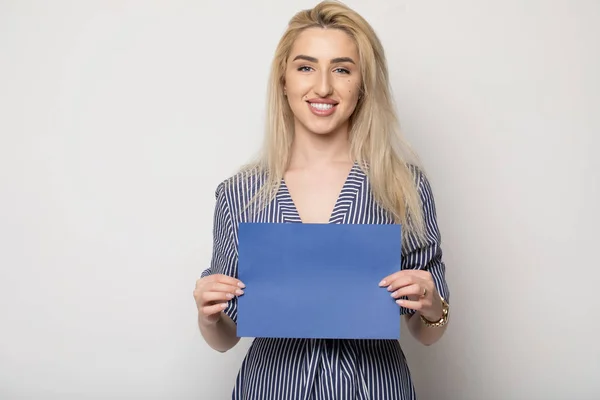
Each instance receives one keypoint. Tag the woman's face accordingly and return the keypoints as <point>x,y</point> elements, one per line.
<point>322,80</point>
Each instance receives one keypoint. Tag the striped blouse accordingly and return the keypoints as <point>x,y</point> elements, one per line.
<point>322,369</point>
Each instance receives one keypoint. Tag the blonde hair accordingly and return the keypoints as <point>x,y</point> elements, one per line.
<point>375,140</point>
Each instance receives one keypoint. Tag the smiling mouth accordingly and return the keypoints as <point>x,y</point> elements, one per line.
<point>322,106</point>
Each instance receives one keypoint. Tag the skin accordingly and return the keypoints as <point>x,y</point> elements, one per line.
<point>212,294</point>
<point>323,64</point>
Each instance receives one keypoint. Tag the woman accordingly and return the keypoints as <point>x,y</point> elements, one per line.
<point>332,155</point>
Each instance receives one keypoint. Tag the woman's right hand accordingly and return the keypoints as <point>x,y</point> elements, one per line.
<point>212,294</point>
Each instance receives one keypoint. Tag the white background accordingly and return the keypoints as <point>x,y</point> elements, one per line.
<point>119,118</point>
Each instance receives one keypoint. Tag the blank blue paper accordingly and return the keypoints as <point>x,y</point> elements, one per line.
<point>317,280</point>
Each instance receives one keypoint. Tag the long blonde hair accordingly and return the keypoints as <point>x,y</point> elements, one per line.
<point>376,143</point>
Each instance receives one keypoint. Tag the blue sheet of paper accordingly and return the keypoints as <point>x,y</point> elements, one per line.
<point>317,280</point>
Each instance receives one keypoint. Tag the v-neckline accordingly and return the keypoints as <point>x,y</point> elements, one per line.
<point>290,212</point>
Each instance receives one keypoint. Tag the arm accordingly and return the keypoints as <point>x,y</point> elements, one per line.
<point>221,334</point>
<point>219,330</point>
<point>424,334</point>
<point>423,271</point>
<point>428,257</point>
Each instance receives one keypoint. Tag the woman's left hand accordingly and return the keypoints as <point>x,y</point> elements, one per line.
<point>419,288</point>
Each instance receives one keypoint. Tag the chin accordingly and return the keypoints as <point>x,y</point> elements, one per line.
<point>323,129</point>
<point>322,132</point>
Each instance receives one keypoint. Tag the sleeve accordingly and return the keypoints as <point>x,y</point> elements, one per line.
<point>224,259</point>
<point>426,254</point>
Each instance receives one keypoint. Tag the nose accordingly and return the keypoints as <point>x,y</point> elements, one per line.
<point>323,87</point>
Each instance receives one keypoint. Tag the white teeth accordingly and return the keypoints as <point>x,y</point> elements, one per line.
<point>321,106</point>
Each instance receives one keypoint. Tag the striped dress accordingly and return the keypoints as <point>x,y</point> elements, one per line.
<point>322,369</point>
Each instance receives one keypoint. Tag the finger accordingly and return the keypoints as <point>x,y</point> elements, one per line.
<point>207,311</point>
<point>411,304</point>
<point>221,287</point>
<point>406,274</point>
<point>390,278</point>
<point>410,290</point>
<point>214,297</point>
<point>229,280</point>
<point>405,281</point>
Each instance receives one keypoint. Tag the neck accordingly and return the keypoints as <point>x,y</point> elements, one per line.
<point>313,150</point>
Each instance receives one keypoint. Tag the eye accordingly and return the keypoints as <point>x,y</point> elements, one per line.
<point>342,70</point>
<point>304,69</point>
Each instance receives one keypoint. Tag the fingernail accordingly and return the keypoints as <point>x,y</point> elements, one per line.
<point>382,283</point>
<point>399,302</point>
<point>229,296</point>
<point>239,292</point>
<point>240,284</point>
<point>393,294</point>
<point>224,305</point>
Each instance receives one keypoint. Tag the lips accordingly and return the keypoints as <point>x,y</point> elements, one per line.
<point>322,101</point>
<point>322,107</point>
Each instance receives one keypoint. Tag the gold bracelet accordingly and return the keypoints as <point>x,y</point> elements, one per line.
<point>442,321</point>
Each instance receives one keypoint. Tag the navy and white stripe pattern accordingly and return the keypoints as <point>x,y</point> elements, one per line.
<point>322,369</point>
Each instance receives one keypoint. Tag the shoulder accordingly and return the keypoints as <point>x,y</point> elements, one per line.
<point>416,172</point>
<point>237,190</point>
<point>421,181</point>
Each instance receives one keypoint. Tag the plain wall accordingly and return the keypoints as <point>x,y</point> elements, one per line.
<point>119,118</point>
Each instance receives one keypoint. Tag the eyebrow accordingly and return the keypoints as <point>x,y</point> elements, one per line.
<point>333,60</point>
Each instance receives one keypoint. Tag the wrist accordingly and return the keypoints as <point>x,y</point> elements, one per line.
<point>436,311</point>
<point>209,322</point>
<point>438,318</point>
<point>432,316</point>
